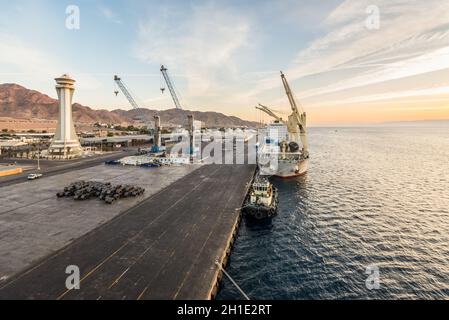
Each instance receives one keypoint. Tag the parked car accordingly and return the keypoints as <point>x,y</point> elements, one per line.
<point>34,176</point>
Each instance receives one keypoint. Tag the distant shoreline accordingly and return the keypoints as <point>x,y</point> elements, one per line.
<point>413,123</point>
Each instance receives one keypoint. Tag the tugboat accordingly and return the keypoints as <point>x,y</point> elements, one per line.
<point>262,200</point>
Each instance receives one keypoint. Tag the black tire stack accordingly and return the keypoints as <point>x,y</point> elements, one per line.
<point>83,190</point>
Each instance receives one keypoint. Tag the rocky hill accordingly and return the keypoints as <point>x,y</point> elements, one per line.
<point>18,102</point>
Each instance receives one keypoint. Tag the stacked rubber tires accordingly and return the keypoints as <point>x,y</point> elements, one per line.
<point>83,190</point>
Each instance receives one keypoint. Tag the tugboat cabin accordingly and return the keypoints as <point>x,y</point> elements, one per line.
<point>262,192</point>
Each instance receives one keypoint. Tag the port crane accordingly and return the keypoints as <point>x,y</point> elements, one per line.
<point>297,120</point>
<point>270,112</point>
<point>128,96</point>
<point>170,87</point>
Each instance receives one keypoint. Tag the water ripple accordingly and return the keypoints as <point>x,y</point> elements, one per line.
<point>372,197</point>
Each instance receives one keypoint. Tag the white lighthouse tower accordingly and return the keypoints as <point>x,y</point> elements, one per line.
<point>65,144</point>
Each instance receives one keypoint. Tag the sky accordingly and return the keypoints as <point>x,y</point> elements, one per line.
<point>348,62</point>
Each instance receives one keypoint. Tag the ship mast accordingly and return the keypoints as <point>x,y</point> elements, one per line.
<point>297,120</point>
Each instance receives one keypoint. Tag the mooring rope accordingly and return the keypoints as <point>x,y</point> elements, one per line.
<point>232,280</point>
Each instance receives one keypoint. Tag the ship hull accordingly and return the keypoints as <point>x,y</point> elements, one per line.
<point>285,168</point>
<point>289,170</point>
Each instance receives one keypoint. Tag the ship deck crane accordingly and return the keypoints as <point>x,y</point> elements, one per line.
<point>270,112</point>
<point>128,96</point>
<point>298,119</point>
<point>170,88</point>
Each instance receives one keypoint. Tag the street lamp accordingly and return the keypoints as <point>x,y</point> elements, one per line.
<point>38,154</point>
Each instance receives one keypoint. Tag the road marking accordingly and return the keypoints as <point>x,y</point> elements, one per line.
<point>118,279</point>
<point>142,293</point>
<point>133,238</point>
<point>93,270</point>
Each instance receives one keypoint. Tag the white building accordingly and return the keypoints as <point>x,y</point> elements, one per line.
<point>65,144</point>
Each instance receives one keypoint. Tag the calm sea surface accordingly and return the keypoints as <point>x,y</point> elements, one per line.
<point>373,197</point>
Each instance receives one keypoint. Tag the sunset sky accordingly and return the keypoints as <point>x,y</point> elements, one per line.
<point>225,56</point>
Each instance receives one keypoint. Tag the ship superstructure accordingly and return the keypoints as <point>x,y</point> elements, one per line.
<point>284,149</point>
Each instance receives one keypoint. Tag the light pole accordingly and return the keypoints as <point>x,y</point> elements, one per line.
<point>38,155</point>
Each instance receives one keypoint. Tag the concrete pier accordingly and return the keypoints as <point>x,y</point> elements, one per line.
<point>163,248</point>
<point>35,223</point>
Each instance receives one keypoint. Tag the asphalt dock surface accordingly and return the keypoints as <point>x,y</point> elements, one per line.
<point>56,167</point>
<point>163,248</point>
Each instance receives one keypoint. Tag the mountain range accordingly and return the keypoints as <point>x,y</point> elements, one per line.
<point>18,102</point>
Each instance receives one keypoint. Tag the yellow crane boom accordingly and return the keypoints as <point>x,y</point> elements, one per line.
<point>270,113</point>
<point>297,120</point>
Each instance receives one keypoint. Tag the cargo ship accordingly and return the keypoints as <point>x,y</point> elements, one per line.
<point>284,149</point>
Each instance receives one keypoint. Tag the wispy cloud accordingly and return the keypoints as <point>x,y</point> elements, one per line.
<point>21,60</point>
<point>199,44</point>
<point>413,39</point>
<point>429,94</point>
<point>110,15</point>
